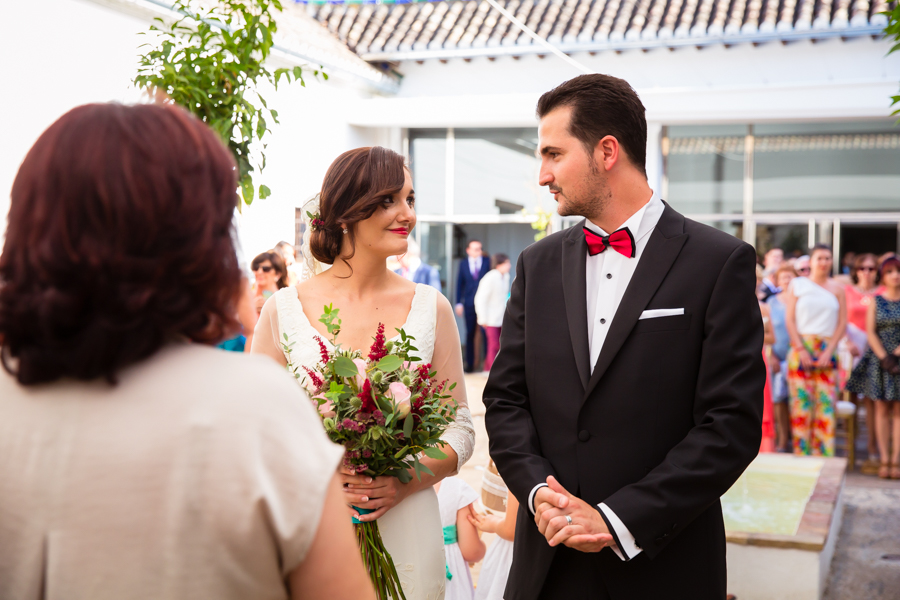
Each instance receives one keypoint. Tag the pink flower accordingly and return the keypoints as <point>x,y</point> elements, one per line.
<point>400,394</point>
<point>361,367</point>
<point>327,408</point>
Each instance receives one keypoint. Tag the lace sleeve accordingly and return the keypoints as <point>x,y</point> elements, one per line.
<point>447,361</point>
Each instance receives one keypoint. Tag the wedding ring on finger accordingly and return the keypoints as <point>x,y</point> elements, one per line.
<point>568,520</point>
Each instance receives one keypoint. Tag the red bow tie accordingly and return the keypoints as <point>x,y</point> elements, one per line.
<point>621,241</point>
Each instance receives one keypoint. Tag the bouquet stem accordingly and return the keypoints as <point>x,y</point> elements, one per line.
<point>378,560</point>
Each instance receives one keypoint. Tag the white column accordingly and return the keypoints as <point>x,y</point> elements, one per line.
<point>449,164</point>
<point>654,157</point>
<point>836,246</point>
<point>749,223</point>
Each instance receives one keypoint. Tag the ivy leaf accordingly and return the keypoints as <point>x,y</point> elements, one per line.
<point>264,192</point>
<point>247,190</point>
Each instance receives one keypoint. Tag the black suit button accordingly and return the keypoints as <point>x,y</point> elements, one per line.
<point>583,435</point>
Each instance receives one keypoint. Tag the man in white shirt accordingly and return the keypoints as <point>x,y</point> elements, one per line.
<point>627,394</point>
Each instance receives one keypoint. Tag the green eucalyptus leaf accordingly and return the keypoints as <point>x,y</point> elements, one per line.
<point>389,363</point>
<point>408,426</point>
<point>435,453</point>
<point>264,192</point>
<point>344,367</point>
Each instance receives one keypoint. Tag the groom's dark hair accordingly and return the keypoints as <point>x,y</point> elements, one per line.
<point>602,105</point>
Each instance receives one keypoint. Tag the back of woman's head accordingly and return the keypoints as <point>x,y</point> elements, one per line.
<point>355,185</point>
<point>118,240</point>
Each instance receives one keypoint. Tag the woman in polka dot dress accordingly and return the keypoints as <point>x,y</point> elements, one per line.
<point>877,375</point>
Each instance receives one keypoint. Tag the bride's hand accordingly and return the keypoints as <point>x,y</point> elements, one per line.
<point>379,494</point>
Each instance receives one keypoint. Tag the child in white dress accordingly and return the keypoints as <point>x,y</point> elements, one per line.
<point>462,544</point>
<point>498,560</point>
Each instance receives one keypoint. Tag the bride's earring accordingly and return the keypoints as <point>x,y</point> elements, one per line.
<point>345,231</point>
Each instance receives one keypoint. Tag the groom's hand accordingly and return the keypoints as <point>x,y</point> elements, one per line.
<point>587,532</point>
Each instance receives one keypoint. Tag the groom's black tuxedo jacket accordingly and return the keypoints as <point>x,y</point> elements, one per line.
<point>667,421</point>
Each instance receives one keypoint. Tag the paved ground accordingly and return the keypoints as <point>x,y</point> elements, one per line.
<point>866,563</point>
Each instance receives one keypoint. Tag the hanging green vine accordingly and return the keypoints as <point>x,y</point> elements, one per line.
<point>210,61</point>
<point>892,31</point>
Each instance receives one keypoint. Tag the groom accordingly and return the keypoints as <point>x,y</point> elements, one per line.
<point>627,394</point>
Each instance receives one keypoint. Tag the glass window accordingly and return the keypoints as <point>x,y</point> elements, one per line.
<point>705,169</point>
<point>496,172</point>
<point>428,161</point>
<point>820,172</point>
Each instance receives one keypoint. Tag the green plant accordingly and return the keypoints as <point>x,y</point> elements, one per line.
<point>892,31</point>
<point>542,224</point>
<point>211,61</point>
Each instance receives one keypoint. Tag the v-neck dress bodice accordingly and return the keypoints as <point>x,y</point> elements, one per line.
<point>294,322</point>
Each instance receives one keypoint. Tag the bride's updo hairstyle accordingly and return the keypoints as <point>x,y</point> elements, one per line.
<point>356,184</point>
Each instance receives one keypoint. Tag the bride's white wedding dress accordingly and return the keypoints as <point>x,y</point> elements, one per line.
<point>412,530</point>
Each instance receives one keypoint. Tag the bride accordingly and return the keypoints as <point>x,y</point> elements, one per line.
<point>366,212</point>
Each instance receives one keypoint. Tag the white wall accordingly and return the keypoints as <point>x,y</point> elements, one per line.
<point>76,51</point>
<point>830,79</point>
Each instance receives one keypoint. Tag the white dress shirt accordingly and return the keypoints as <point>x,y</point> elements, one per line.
<point>475,264</point>
<point>412,265</point>
<point>608,275</point>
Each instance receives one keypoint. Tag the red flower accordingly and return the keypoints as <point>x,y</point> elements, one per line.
<point>377,351</point>
<point>314,377</point>
<point>368,402</point>
<point>323,351</point>
<point>423,371</point>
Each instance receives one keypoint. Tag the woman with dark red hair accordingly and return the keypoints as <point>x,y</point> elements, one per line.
<point>138,461</point>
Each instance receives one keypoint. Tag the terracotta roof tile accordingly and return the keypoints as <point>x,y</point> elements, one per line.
<point>473,27</point>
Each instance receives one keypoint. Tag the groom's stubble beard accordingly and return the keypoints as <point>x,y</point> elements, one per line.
<point>591,201</point>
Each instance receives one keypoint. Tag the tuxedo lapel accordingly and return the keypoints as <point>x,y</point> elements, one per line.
<point>662,249</point>
<point>574,257</point>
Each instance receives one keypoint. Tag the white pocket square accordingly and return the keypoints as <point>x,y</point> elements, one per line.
<point>661,312</point>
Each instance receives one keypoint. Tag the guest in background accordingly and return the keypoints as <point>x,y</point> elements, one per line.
<point>246,316</point>
<point>849,262</point>
<point>860,296</point>
<point>271,275</point>
<point>768,421</point>
<point>816,318</point>
<point>801,265</point>
<point>498,558</point>
<point>140,462</point>
<point>462,544</point>
<point>289,255</point>
<point>412,268</point>
<point>877,375</point>
<point>768,287</point>
<point>778,355</point>
<point>490,304</point>
<point>471,270</point>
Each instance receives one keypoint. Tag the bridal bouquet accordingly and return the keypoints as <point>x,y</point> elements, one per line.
<point>386,411</point>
